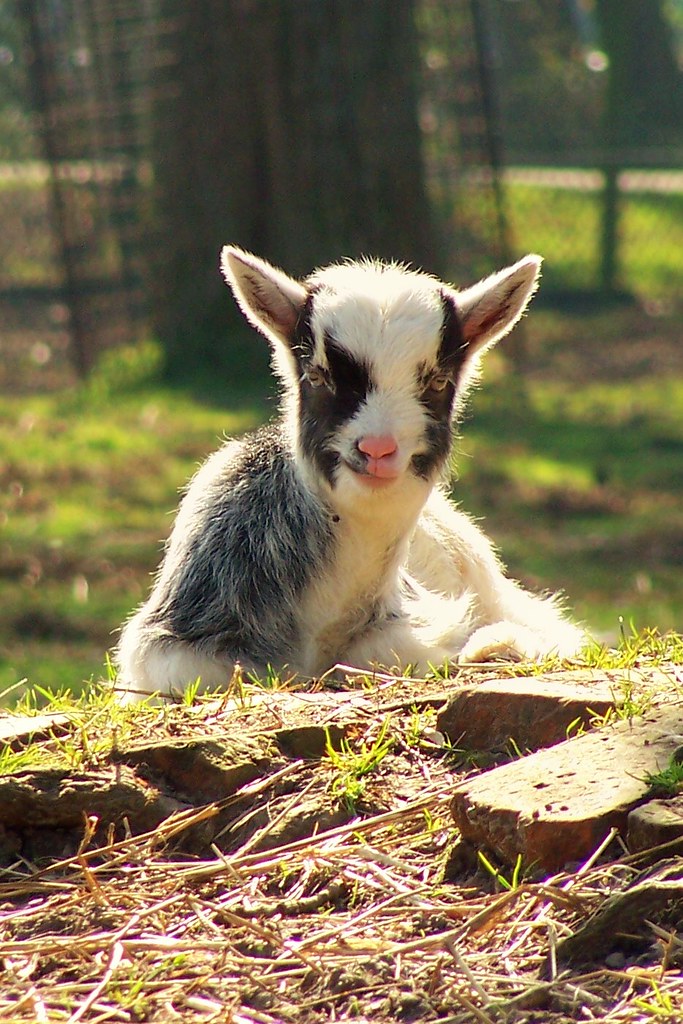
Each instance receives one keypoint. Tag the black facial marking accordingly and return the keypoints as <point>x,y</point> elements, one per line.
<point>303,343</point>
<point>350,378</point>
<point>438,401</point>
<point>438,437</point>
<point>450,357</point>
<point>453,347</point>
<point>325,409</point>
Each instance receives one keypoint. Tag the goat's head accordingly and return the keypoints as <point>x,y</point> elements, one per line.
<point>376,359</point>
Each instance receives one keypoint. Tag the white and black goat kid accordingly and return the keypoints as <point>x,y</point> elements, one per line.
<point>326,537</point>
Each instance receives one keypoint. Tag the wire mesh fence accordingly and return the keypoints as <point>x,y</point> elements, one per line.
<point>512,117</point>
<point>78,78</point>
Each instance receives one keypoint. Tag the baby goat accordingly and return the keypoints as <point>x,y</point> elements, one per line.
<point>326,537</point>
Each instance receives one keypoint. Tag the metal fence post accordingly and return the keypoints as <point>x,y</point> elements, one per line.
<point>82,354</point>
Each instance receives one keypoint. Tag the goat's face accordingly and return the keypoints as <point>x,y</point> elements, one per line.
<point>375,359</point>
<point>378,351</point>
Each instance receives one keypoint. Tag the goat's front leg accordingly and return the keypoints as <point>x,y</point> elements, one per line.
<point>429,630</point>
<point>449,554</point>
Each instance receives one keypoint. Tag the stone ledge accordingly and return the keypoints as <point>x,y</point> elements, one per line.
<point>556,806</point>
<point>533,712</point>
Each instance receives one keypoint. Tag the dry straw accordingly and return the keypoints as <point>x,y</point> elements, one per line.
<point>354,923</point>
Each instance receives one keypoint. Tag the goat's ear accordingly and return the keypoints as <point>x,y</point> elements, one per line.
<point>490,309</point>
<point>269,299</point>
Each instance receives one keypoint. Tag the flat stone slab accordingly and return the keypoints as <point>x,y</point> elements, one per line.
<point>556,806</point>
<point>533,712</point>
<point>22,727</point>
<point>60,797</point>
<point>204,770</point>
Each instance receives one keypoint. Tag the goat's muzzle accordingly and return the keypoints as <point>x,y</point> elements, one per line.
<point>381,464</point>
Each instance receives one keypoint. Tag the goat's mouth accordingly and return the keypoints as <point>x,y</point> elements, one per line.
<point>374,472</point>
<point>376,482</point>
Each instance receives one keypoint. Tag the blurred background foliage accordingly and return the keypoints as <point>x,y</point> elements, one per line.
<point>138,136</point>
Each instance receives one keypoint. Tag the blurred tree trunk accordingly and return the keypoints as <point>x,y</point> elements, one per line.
<point>291,128</point>
<point>644,105</point>
<point>645,84</point>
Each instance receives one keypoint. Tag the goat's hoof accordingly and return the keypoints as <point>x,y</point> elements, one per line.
<point>502,641</point>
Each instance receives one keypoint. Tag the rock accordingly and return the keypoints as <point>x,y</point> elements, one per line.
<point>309,816</point>
<point>308,741</point>
<point>654,823</point>
<point>202,770</point>
<point>534,712</point>
<point>58,798</point>
<point>557,805</point>
<point>24,727</point>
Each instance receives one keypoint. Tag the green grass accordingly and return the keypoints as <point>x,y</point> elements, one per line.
<point>669,781</point>
<point>581,484</point>
<point>88,483</point>
<point>565,226</point>
<point>499,878</point>
<point>560,224</point>
<point>351,765</point>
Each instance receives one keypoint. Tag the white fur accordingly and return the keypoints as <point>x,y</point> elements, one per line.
<point>411,580</point>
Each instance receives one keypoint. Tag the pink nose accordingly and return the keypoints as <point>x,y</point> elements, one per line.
<point>378,447</point>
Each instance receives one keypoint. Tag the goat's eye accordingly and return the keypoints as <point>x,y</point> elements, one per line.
<point>316,377</point>
<point>439,382</point>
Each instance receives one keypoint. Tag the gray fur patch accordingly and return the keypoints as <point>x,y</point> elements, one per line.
<point>232,578</point>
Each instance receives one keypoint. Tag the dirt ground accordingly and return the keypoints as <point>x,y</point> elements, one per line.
<point>277,856</point>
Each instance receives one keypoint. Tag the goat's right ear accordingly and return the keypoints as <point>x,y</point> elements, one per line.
<point>269,298</point>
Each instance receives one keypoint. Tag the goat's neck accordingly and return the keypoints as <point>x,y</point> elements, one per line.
<point>371,528</point>
<point>360,582</point>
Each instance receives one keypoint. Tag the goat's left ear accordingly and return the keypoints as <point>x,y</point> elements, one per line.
<point>490,309</point>
<point>269,298</point>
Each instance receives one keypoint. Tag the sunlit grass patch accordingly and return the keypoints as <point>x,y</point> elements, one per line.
<point>565,226</point>
<point>561,224</point>
<point>581,484</point>
<point>86,494</point>
<point>97,723</point>
<point>669,781</point>
<point>352,763</point>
